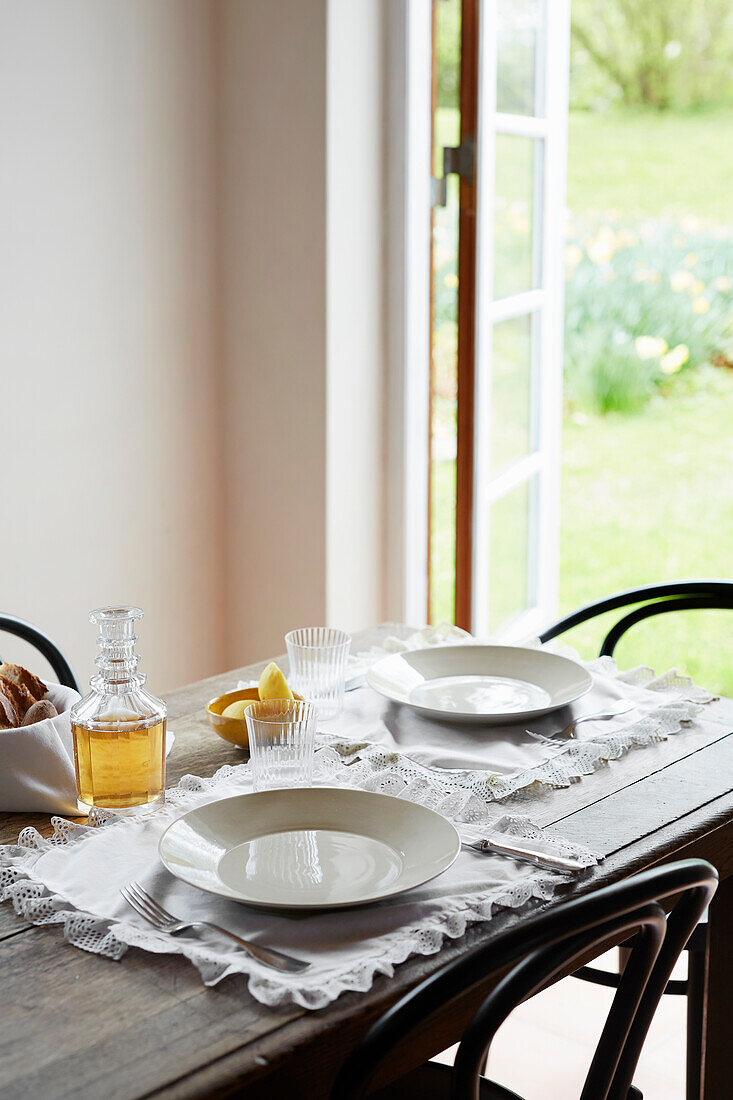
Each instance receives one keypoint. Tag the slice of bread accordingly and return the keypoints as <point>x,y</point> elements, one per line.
<point>18,696</point>
<point>35,688</point>
<point>8,715</point>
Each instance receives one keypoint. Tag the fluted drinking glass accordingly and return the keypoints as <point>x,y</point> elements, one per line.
<point>281,743</point>
<point>317,656</point>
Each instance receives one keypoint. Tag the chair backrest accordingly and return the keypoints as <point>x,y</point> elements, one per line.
<point>47,648</point>
<point>655,599</point>
<point>544,947</point>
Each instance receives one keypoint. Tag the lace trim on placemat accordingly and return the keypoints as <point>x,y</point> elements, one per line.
<point>571,761</point>
<point>467,798</point>
<point>423,936</point>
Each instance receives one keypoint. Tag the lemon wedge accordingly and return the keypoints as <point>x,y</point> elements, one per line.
<point>237,709</point>
<point>273,684</point>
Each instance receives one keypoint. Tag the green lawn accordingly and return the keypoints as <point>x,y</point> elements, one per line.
<point>641,164</point>
<point>648,164</point>
<point>648,498</point>
<point>645,497</point>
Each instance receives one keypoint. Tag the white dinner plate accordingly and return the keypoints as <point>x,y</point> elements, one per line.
<point>309,847</point>
<point>483,684</point>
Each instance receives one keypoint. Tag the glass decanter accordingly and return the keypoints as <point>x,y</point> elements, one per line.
<point>119,728</point>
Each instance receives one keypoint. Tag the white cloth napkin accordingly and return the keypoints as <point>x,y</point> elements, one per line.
<point>37,762</point>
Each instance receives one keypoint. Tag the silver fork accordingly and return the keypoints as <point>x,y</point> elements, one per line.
<point>621,707</point>
<point>148,908</point>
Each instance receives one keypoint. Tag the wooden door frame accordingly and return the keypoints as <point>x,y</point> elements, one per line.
<point>466,320</point>
<point>468,102</point>
<point>431,322</point>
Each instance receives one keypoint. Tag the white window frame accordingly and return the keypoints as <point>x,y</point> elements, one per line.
<point>408,135</point>
<point>544,305</point>
<point>407,277</point>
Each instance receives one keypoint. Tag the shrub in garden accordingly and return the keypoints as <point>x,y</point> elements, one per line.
<point>643,303</point>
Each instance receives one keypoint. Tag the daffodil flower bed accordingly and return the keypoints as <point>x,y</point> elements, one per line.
<point>642,303</point>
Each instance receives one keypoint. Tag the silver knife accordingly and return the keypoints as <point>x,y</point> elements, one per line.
<point>519,851</point>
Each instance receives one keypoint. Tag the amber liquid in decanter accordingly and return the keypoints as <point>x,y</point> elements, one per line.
<point>119,728</point>
<point>120,763</point>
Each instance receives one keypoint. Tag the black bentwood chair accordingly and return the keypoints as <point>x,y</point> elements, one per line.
<point>48,649</point>
<point>539,950</point>
<point>659,599</point>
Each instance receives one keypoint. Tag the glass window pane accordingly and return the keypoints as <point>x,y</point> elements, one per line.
<point>520,48</point>
<point>510,537</point>
<point>512,427</point>
<point>517,232</point>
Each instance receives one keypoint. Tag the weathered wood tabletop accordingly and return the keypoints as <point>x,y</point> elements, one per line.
<point>77,1024</point>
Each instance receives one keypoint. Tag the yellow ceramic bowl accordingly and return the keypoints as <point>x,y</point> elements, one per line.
<point>233,730</point>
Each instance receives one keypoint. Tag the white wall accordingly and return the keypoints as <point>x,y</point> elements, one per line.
<point>355,336</point>
<point>190,321</point>
<point>273,241</point>
<point>110,437</point>
<point>301,234</point>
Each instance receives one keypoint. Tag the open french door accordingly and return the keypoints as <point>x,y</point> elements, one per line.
<point>509,278</point>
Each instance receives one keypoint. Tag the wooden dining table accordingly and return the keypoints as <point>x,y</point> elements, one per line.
<point>73,1023</point>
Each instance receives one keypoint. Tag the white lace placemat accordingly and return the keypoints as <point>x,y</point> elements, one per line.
<point>74,879</point>
<point>497,761</point>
